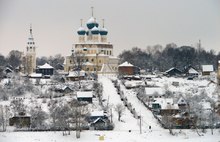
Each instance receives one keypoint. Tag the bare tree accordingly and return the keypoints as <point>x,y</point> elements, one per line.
<point>38,117</point>
<point>120,109</point>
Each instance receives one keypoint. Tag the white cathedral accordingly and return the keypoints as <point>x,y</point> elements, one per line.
<point>96,53</point>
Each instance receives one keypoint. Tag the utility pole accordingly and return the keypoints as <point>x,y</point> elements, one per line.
<point>111,115</point>
<point>140,125</point>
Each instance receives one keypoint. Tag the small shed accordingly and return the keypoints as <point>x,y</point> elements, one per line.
<point>173,72</point>
<point>20,121</point>
<point>85,96</point>
<point>99,124</point>
<point>207,69</point>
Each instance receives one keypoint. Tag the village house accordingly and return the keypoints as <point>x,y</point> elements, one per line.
<point>86,96</point>
<point>192,72</point>
<point>63,89</point>
<point>45,70</point>
<point>173,72</point>
<point>164,106</point>
<point>76,75</point>
<point>98,120</point>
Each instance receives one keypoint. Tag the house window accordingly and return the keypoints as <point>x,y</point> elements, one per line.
<point>92,60</point>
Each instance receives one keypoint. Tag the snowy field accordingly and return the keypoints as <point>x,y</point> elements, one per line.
<point>109,136</point>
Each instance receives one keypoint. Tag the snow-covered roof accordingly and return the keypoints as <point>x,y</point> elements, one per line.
<point>207,68</point>
<point>163,100</point>
<point>97,113</point>
<point>126,64</point>
<point>152,90</point>
<point>76,73</point>
<point>7,68</point>
<point>169,106</point>
<point>181,101</point>
<point>45,66</point>
<point>36,75</point>
<point>172,69</point>
<point>65,87</point>
<point>193,71</point>
<point>87,94</point>
<point>97,119</point>
<point>165,103</point>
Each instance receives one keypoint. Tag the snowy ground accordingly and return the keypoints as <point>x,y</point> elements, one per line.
<point>109,136</point>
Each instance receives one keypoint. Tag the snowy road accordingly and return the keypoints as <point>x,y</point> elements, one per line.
<point>110,94</point>
<point>147,116</point>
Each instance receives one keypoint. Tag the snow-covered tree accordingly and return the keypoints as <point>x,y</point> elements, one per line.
<point>38,117</point>
<point>120,109</point>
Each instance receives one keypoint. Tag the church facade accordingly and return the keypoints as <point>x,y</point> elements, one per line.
<point>92,53</point>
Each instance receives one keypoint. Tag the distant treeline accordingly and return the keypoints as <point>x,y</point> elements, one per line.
<point>158,58</point>
<point>15,59</point>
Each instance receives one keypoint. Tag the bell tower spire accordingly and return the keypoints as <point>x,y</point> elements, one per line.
<point>30,54</point>
<point>92,8</point>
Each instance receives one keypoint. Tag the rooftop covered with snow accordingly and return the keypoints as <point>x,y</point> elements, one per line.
<point>85,94</point>
<point>126,64</point>
<point>45,66</point>
<point>207,68</point>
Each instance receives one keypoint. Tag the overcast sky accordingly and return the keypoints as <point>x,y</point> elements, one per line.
<point>129,22</point>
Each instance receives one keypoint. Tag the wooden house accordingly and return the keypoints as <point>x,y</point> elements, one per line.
<point>76,75</point>
<point>207,69</point>
<point>173,72</point>
<point>85,96</point>
<point>164,106</point>
<point>99,124</point>
<point>45,70</point>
